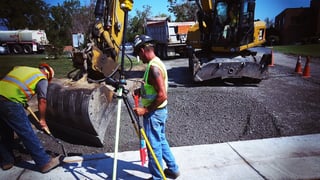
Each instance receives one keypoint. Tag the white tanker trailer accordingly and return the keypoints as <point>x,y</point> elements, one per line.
<point>24,41</point>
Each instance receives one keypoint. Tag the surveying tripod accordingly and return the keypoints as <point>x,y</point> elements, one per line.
<point>122,95</point>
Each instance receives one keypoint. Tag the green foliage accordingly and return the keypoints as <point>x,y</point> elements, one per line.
<point>21,14</point>
<point>183,10</point>
<point>136,24</point>
<point>59,31</point>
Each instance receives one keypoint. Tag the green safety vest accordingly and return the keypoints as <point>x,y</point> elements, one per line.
<point>148,93</point>
<point>19,84</point>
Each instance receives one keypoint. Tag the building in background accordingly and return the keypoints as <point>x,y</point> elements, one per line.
<point>299,24</point>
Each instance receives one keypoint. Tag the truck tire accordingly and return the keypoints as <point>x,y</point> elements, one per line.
<point>190,59</point>
<point>158,51</point>
<point>164,52</point>
<point>16,49</point>
<point>27,49</point>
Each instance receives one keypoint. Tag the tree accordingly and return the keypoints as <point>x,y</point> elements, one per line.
<point>66,19</point>
<point>269,22</point>
<point>21,14</point>
<point>82,19</point>
<point>183,10</point>
<point>137,23</point>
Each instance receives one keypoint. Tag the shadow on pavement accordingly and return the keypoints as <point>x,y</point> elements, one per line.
<point>103,168</point>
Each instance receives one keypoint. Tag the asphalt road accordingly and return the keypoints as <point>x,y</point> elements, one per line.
<point>284,104</point>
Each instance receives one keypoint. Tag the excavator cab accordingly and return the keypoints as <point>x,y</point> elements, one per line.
<point>233,23</point>
<point>227,25</point>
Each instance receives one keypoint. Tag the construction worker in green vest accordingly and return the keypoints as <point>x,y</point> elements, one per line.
<point>16,89</point>
<point>153,95</point>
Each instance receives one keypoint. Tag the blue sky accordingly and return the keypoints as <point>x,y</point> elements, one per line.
<point>264,8</point>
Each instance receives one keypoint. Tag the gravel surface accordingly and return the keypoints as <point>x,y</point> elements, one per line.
<point>285,104</point>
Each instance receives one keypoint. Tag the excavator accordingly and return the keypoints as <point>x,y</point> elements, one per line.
<point>220,45</point>
<point>82,106</point>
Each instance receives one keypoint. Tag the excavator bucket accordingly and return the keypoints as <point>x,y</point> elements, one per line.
<point>238,67</point>
<point>79,112</point>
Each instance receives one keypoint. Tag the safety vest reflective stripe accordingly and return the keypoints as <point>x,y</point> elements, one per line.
<point>149,96</point>
<point>19,84</point>
<point>33,78</point>
<point>23,87</point>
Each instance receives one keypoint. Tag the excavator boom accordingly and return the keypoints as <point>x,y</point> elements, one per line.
<point>81,108</point>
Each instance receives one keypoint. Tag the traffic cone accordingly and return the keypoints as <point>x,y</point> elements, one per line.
<point>306,70</point>
<point>298,66</point>
<point>272,59</point>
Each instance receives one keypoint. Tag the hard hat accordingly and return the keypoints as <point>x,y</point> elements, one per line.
<point>141,40</point>
<point>48,70</point>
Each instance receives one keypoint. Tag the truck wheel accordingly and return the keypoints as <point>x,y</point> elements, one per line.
<point>158,51</point>
<point>164,52</point>
<point>17,49</point>
<point>191,66</point>
<point>190,59</point>
<point>27,49</point>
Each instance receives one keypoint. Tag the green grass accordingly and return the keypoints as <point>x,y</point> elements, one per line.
<point>61,66</point>
<point>312,50</point>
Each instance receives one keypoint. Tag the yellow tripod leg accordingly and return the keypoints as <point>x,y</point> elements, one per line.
<point>152,153</point>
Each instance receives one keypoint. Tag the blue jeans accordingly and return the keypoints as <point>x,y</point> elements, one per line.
<point>14,119</point>
<point>154,125</point>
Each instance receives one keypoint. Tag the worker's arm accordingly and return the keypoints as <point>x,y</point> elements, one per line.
<point>155,79</point>
<point>42,106</point>
<point>41,90</point>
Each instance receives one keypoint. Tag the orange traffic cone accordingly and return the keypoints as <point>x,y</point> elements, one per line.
<point>272,59</point>
<point>298,66</point>
<point>306,70</point>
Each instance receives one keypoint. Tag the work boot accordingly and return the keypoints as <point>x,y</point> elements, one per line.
<point>6,166</point>
<point>171,174</point>
<point>54,162</point>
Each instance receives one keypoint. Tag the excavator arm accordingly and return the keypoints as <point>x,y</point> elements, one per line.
<point>79,111</point>
<point>100,58</point>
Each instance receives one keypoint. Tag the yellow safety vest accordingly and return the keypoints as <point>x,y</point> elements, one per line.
<point>20,83</point>
<point>148,93</point>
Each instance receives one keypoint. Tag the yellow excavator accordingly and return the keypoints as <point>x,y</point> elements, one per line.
<point>218,47</point>
<point>220,44</point>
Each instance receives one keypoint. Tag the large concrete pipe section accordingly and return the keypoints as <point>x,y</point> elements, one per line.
<point>78,112</point>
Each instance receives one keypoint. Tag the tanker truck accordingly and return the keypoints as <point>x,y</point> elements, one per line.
<point>24,41</point>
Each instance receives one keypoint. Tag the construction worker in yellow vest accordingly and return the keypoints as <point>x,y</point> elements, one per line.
<point>16,89</point>
<point>153,95</point>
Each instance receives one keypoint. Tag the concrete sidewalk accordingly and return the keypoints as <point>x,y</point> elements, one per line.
<point>296,157</point>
